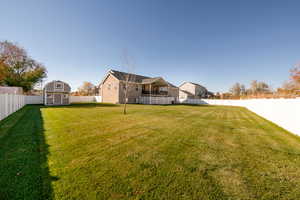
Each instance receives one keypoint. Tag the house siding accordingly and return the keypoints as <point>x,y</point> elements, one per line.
<point>134,92</point>
<point>188,87</point>
<point>173,92</point>
<point>110,90</point>
<point>196,90</point>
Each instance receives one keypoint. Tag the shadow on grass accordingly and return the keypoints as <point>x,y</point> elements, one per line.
<point>24,172</point>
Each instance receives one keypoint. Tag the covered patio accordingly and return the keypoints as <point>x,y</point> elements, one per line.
<point>155,87</point>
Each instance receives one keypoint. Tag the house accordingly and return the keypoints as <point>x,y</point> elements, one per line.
<point>141,89</point>
<point>189,90</point>
<point>10,90</point>
<point>57,93</point>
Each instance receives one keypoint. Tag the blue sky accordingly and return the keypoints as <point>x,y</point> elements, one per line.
<point>214,43</point>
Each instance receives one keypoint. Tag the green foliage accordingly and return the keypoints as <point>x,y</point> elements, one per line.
<point>154,152</point>
<point>17,69</point>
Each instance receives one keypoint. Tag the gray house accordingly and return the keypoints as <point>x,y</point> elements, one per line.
<point>57,93</point>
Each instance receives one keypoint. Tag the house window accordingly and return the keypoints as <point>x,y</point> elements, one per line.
<point>58,85</point>
<point>163,89</point>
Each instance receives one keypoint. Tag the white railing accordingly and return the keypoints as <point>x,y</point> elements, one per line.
<point>10,103</point>
<point>157,100</point>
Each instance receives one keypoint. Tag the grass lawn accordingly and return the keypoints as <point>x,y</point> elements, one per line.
<point>93,151</point>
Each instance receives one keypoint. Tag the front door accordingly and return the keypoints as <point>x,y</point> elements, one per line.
<point>57,99</point>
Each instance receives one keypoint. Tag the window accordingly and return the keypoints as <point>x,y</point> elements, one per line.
<point>58,85</point>
<point>163,89</point>
<point>66,96</point>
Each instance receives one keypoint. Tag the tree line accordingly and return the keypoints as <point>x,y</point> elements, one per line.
<point>260,89</point>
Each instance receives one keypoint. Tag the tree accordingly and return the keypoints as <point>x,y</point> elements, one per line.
<point>87,89</point>
<point>235,90</point>
<point>253,87</point>
<point>295,75</point>
<point>17,68</point>
<point>243,90</point>
<point>259,87</point>
<point>129,77</point>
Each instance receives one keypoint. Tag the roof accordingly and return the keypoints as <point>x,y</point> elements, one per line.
<point>151,80</point>
<point>192,83</point>
<point>188,93</point>
<point>132,77</point>
<point>49,87</point>
<point>136,78</point>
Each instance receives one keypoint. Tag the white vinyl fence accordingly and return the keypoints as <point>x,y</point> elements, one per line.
<point>73,99</point>
<point>82,99</point>
<point>156,100</point>
<point>34,100</point>
<point>283,112</point>
<point>10,103</point>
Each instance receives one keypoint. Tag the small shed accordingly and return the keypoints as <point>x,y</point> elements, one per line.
<point>57,93</point>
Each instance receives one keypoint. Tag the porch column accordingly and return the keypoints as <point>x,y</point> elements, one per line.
<point>150,93</point>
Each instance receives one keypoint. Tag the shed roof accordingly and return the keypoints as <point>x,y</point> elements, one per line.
<point>49,87</point>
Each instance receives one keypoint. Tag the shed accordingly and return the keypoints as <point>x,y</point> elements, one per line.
<point>57,93</point>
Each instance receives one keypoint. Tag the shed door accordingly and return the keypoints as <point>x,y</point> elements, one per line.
<point>57,99</point>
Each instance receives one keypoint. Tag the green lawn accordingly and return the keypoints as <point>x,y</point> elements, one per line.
<point>93,151</point>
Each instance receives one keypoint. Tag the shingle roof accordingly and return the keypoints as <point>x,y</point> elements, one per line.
<point>136,78</point>
<point>132,77</point>
<point>150,80</point>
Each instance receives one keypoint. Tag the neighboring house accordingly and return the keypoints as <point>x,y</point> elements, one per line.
<point>189,90</point>
<point>10,90</point>
<point>112,88</point>
<point>57,93</point>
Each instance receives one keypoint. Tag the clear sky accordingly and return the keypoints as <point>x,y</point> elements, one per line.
<point>214,43</point>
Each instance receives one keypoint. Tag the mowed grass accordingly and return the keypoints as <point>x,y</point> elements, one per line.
<point>93,151</point>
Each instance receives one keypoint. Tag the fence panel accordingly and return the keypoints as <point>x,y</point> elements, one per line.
<point>98,98</point>
<point>10,103</point>
<point>82,99</point>
<point>34,100</point>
